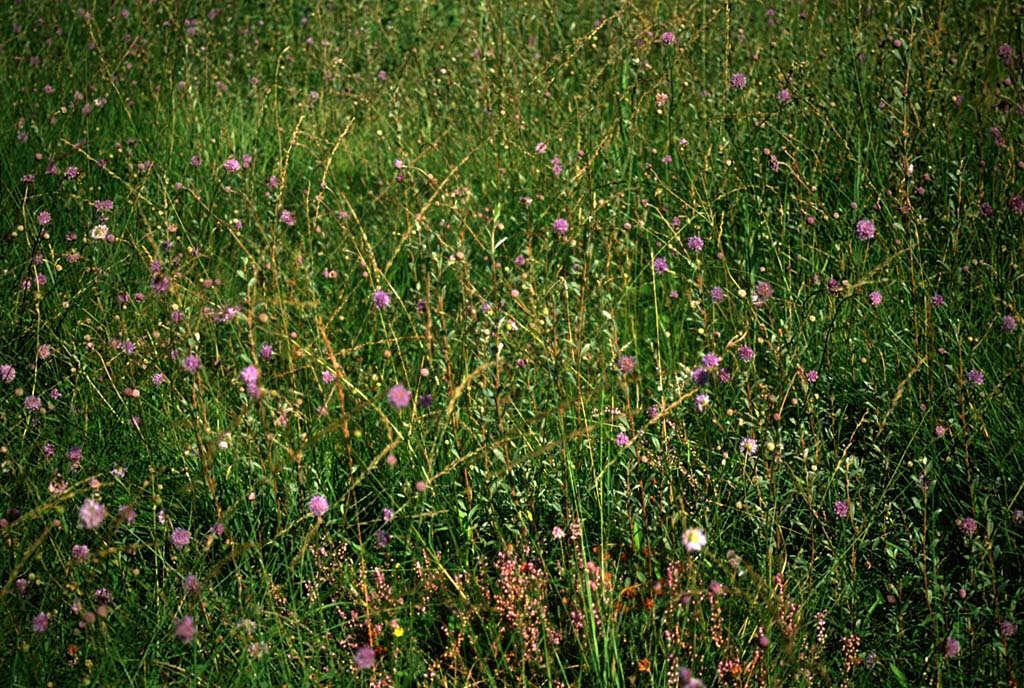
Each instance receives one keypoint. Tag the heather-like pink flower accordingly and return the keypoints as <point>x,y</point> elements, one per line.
<point>622,439</point>
<point>875,298</point>
<point>865,230</point>
<point>91,514</point>
<point>399,396</point>
<point>180,538</point>
<point>561,226</point>
<point>40,622</point>
<point>185,629</point>
<point>318,505</point>
<point>232,165</point>
<point>381,299</point>
<point>738,80</point>
<point>365,658</point>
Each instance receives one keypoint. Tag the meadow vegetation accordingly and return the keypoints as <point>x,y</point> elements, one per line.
<point>543,343</point>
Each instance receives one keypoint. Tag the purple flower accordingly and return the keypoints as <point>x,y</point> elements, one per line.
<point>561,226</point>
<point>191,363</point>
<point>556,166</point>
<point>660,265</point>
<point>1009,325</point>
<point>399,396</point>
<point>622,439</point>
<point>938,299</point>
<point>185,629</point>
<point>180,538</point>
<point>745,353</point>
<point>763,290</point>
<point>250,376</point>
<point>717,294</point>
<point>701,402</point>
<point>841,508</point>
<point>33,403</point>
<point>865,230</point>
<point>711,360</point>
<point>266,352</point>
<point>79,553</point>
<point>7,373</point>
<point>875,298</point>
<point>626,364</point>
<point>328,377</point>
<point>190,584</point>
<point>748,445</point>
<point>91,514</point>
<point>381,299</point>
<point>976,377</point>
<point>952,647</point>
<point>43,218</point>
<point>668,38</point>
<point>784,95</point>
<point>40,622</point>
<point>287,217</point>
<point>695,243</point>
<point>232,165</point>
<point>317,506</point>
<point>738,80</point>
<point>968,526</point>
<point>812,376</point>
<point>1007,628</point>
<point>364,658</point>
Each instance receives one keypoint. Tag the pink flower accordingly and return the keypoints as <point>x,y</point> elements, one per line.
<point>180,538</point>
<point>185,629</point>
<point>318,505</point>
<point>91,514</point>
<point>399,396</point>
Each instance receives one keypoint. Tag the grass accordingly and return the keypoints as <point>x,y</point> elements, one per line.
<point>521,521</point>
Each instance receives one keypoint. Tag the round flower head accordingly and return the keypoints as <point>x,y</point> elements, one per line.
<point>622,439</point>
<point>399,396</point>
<point>381,299</point>
<point>91,514</point>
<point>695,243</point>
<point>865,230</point>
<point>748,445</point>
<point>180,538</point>
<point>875,298</point>
<point>976,377</point>
<point>40,622</point>
<point>561,226</point>
<point>185,629</point>
<point>694,539</point>
<point>365,658</point>
<point>738,80</point>
<point>660,265</point>
<point>318,505</point>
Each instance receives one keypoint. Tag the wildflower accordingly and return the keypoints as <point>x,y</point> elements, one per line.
<point>180,538</point>
<point>952,647</point>
<point>968,526</point>
<point>364,658</point>
<point>626,364</point>
<point>328,376</point>
<point>865,230</point>
<point>561,226</point>
<point>556,166</point>
<point>763,290</point>
<point>232,165</point>
<point>557,533</point>
<point>622,439</point>
<point>938,299</point>
<point>694,539</point>
<point>190,584</point>
<point>660,265</point>
<point>7,373</point>
<point>711,360</point>
<point>191,363</point>
<point>738,81</point>
<point>91,514</point>
<point>126,513</point>
<point>287,217</point>
<point>748,445</point>
<point>941,430</point>
<point>976,377</point>
<point>745,353</point>
<point>701,402</point>
<point>80,553</point>
<point>318,505</point>
<point>783,96</point>
<point>812,376</point>
<point>250,376</point>
<point>541,148</point>
<point>33,403</point>
<point>185,629</point>
<point>399,396</point>
<point>841,508</point>
<point>1007,628</point>
<point>875,298</point>
<point>668,38</point>
<point>1009,324</point>
<point>40,622</point>
<point>717,294</point>
<point>695,243</point>
<point>266,352</point>
<point>381,299</point>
